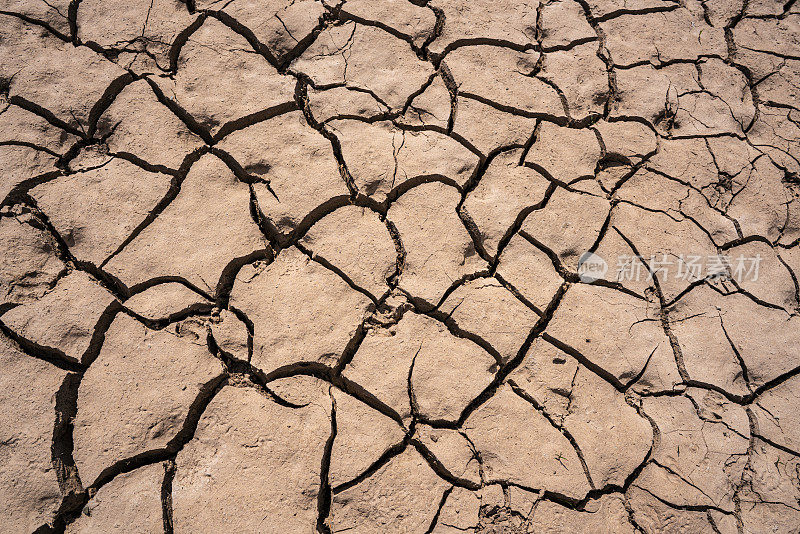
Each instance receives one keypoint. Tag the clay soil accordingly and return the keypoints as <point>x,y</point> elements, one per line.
<point>400,266</point>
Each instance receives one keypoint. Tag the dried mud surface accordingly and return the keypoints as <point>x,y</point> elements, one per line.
<point>308,266</point>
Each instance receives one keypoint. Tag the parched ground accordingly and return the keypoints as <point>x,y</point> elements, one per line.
<point>390,266</point>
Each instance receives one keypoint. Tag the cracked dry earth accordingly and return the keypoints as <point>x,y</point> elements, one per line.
<point>305,266</point>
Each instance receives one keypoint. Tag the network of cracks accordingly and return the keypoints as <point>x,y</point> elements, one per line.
<point>318,266</point>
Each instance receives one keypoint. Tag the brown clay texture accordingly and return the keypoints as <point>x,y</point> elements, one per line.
<point>400,266</point>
